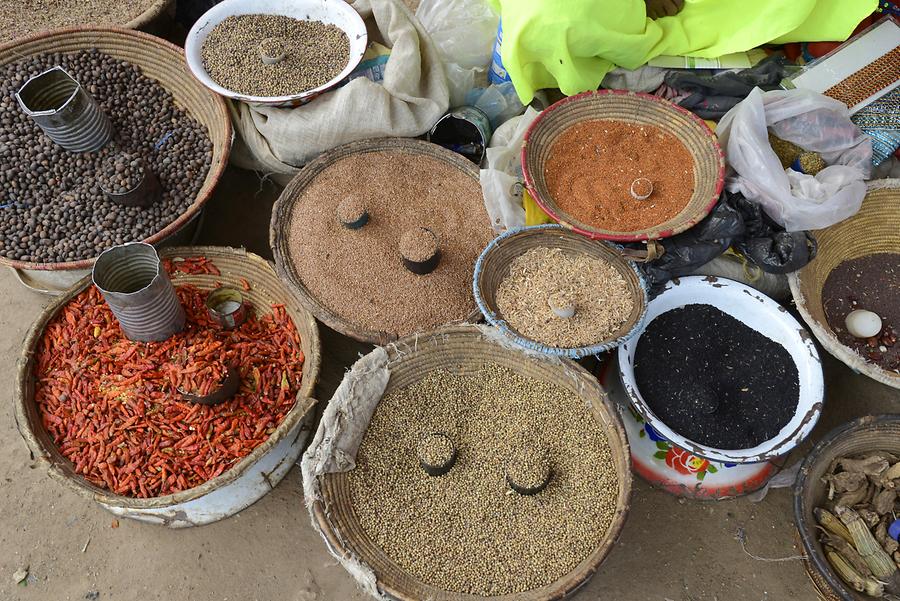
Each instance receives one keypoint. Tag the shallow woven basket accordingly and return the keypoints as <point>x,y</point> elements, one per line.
<point>638,109</point>
<point>159,60</point>
<point>464,349</point>
<point>153,12</point>
<point>874,229</point>
<point>282,215</point>
<point>266,290</point>
<point>862,435</point>
<point>493,266</point>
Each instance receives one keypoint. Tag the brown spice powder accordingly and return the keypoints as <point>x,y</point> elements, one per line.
<point>359,274</point>
<point>593,164</point>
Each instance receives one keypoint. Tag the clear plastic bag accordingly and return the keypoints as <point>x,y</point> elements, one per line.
<point>814,122</point>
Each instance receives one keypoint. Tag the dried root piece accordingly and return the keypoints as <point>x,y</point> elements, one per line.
<point>883,502</point>
<point>870,465</point>
<point>847,481</point>
<point>849,499</point>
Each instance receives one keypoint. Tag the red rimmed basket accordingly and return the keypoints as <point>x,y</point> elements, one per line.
<point>638,109</point>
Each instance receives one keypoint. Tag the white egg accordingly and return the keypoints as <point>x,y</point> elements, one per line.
<point>863,324</point>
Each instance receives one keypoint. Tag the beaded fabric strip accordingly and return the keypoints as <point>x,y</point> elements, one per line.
<point>869,80</point>
<point>881,122</point>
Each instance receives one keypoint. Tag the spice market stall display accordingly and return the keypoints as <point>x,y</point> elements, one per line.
<point>453,465</point>
<point>846,509</point>
<point>125,423</point>
<point>850,295</point>
<point>120,110</point>
<point>622,166</point>
<point>275,53</point>
<point>18,20</point>
<point>379,238</point>
<point>723,372</point>
<point>555,291</point>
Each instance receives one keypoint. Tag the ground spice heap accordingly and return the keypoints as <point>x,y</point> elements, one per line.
<point>20,18</point>
<point>714,380</point>
<point>871,283</point>
<point>315,54</point>
<point>593,164</point>
<point>113,408</point>
<point>359,274</point>
<point>600,294</point>
<point>466,531</point>
<point>52,207</point>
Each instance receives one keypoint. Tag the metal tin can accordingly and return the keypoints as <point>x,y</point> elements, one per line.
<point>70,116</point>
<point>466,130</point>
<point>139,292</point>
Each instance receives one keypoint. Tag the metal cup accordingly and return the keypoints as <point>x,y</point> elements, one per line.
<point>145,194</point>
<point>226,307</point>
<point>139,292</point>
<point>65,111</point>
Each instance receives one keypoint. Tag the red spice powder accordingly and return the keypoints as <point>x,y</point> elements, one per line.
<point>593,164</point>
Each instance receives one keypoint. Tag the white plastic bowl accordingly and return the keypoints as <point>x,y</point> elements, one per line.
<point>335,12</point>
<point>764,315</point>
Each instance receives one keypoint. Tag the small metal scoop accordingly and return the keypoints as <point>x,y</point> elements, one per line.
<point>227,389</point>
<point>641,188</point>
<point>145,193</point>
<point>272,50</point>
<point>561,305</point>
<point>226,307</point>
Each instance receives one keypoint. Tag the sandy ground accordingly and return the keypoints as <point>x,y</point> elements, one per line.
<point>670,550</point>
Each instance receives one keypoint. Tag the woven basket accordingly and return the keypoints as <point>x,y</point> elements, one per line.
<point>282,215</point>
<point>865,434</point>
<point>874,229</point>
<point>153,12</point>
<point>158,60</point>
<point>464,349</point>
<point>638,109</point>
<point>493,266</point>
<point>266,290</point>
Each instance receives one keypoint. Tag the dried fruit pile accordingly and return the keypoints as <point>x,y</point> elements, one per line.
<point>862,504</point>
<point>113,406</point>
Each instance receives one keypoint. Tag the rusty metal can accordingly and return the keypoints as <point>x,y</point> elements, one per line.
<point>61,107</point>
<point>139,292</point>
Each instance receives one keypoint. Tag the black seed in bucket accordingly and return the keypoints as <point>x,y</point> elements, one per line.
<point>714,380</point>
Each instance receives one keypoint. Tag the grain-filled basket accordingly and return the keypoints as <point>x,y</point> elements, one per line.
<point>312,248</point>
<point>158,60</point>
<point>874,229</point>
<point>154,10</point>
<point>464,351</point>
<point>494,265</point>
<point>252,476</point>
<point>638,110</point>
<point>866,434</point>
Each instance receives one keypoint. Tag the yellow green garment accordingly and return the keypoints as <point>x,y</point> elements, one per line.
<point>572,44</point>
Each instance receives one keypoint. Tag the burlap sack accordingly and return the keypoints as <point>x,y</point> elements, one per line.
<point>410,100</point>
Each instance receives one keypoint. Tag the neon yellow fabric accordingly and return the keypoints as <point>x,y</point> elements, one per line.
<point>572,44</point>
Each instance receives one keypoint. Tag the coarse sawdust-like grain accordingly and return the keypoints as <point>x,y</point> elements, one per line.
<point>601,296</point>
<point>359,274</point>
<point>466,531</point>
<point>24,17</point>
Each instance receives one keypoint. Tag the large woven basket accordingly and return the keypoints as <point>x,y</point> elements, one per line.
<point>465,349</point>
<point>863,435</point>
<point>639,109</point>
<point>155,9</point>
<point>493,266</point>
<point>159,60</point>
<point>282,214</point>
<point>874,229</point>
<point>266,290</point>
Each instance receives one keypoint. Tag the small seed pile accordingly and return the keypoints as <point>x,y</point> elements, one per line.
<point>232,54</point>
<point>20,18</point>
<point>600,294</point>
<point>862,503</point>
<point>435,449</point>
<point>121,173</point>
<point>52,208</point>
<point>529,467</point>
<point>418,244</point>
<point>114,408</point>
<point>466,531</point>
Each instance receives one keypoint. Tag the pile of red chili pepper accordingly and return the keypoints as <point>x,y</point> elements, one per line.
<point>113,405</point>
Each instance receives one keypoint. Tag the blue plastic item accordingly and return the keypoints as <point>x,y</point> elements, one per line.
<point>894,530</point>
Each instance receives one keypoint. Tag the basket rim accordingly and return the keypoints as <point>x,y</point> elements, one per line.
<point>639,235</point>
<point>321,516</point>
<point>305,402</point>
<point>156,8</point>
<point>283,209</point>
<point>494,318</point>
<point>814,558</point>
<point>215,171</point>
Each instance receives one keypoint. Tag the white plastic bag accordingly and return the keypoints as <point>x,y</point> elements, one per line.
<point>813,122</point>
<point>463,32</point>
<point>501,179</point>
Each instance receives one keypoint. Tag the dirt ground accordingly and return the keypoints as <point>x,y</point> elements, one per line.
<point>670,550</point>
